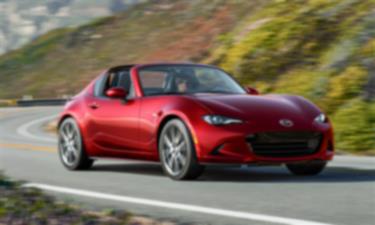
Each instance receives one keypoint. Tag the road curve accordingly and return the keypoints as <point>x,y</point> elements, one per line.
<point>343,194</point>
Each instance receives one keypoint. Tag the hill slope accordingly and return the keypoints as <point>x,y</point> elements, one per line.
<point>323,50</point>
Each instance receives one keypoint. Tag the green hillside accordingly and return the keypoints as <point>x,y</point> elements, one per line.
<point>323,50</point>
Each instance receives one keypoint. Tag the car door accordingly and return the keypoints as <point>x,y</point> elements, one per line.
<point>153,83</point>
<point>113,122</point>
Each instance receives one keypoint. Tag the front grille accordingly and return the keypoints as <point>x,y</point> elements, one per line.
<point>285,144</point>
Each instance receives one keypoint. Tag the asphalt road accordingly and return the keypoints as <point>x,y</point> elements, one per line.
<point>343,194</point>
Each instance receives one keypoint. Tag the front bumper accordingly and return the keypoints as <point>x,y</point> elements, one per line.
<point>230,144</point>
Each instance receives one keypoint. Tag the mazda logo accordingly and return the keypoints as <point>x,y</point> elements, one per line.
<point>286,123</point>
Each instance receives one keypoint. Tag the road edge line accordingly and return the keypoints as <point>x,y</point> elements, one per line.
<point>171,205</point>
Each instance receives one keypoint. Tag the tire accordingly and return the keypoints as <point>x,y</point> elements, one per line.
<point>71,148</point>
<point>177,152</point>
<point>306,169</point>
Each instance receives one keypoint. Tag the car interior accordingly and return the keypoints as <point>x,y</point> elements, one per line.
<point>169,82</point>
<point>117,77</point>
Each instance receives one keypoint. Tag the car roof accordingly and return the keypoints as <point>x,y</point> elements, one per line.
<point>129,66</point>
<point>121,67</point>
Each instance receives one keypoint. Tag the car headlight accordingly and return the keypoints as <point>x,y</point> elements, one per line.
<point>321,118</point>
<point>220,120</point>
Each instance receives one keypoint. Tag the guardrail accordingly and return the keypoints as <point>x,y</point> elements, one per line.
<point>42,102</point>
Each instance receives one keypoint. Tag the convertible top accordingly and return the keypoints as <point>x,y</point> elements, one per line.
<point>129,66</point>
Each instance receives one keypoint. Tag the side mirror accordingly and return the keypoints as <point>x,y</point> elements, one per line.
<point>252,91</point>
<point>116,92</point>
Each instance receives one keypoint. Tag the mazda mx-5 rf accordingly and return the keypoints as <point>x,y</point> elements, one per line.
<point>188,116</point>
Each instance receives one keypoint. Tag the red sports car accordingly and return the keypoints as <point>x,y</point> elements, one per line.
<point>188,116</point>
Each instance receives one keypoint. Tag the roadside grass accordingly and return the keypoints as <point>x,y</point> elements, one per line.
<point>20,205</point>
<point>51,127</point>
<point>8,102</point>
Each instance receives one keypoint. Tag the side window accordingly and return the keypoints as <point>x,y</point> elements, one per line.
<point>114,79</point>
<point>99,85</point>
<point>125,82</point>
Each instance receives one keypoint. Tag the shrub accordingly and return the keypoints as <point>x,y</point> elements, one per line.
<point>344,86</point>
<point>308,83</point>
<point>354,125</point>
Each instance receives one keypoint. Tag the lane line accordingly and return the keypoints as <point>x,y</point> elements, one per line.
<point>28,147</point>
<point>24,129</point>
<point>175,206</point>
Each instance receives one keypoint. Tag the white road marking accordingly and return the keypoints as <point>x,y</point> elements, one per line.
<point>24,129</point>
<point>177,206</point>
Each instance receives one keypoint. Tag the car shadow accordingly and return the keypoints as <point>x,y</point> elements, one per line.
<point>281,174</point>
<point>151,169</point>
<point>249,174</point>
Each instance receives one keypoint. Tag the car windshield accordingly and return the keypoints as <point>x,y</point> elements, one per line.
<point>186,79</point>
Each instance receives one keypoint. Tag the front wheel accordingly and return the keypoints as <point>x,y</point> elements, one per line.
<point>71,149</point>
<point>307,168</point>
<point>177,153</point>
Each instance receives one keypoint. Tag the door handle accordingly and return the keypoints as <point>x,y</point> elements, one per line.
<point>94,105</point>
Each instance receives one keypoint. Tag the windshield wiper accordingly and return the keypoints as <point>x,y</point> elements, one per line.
<point>175,93</point>
<point>216,92</point>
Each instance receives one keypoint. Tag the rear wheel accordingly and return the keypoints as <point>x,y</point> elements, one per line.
<point>177,153</point>
<point>71,149</point>
<point>307,168</point>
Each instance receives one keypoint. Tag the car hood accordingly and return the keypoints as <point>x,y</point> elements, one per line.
<point>260,107</point>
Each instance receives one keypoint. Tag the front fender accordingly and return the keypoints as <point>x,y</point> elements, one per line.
<point>189,112</point>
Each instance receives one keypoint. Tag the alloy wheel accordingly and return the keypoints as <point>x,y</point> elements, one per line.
<point>70,143</point>
<point>175,148</point>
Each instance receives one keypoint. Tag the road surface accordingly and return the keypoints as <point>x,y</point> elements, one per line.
<point>343,194</point>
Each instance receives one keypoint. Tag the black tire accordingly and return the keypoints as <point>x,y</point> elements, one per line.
<point>72,152</point>
<point>307,168</point>
<point>172,151</point>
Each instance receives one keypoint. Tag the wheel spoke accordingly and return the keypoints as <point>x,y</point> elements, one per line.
<point>168,153</point>
<point>178,138</point>
<point>70,157</point>
<point>73,135</point>
<point>76,141</point>
<point>65,151</point>
<point>174,165</point>
<point>70,130</point>
<point>66,130</point>
<point>170,162</point>
<point>181,146</point>
<point>64,145</point>
<point>181,159</point>
<point>173,132</point>
<point>168,141</point>
<point>74,151</point>
<point>178,165</point>
<point>63,135</point>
